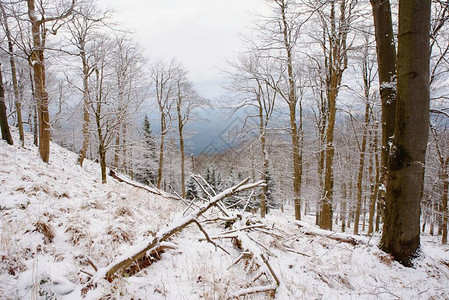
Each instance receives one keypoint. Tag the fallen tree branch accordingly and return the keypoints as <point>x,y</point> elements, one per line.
<point>209,239</point>
<point>339,237</point>
<point>154,191</point>
<point>254,290</point>
<point>124,261</point>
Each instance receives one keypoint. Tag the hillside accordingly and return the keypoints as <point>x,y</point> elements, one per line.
<point>58,222</point>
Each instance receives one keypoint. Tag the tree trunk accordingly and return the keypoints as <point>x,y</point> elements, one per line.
<point>343,207</point>
<point>102,153</point>
<point>326,203</point>
<point>14,76</point>
<point>124,149</point>
<point>101,146</point>
<point>86,116</point>
<point>263,194</point>
<point>181,145</point>
<point>35,125</point>
<point>336,57</point>
<point>116,150</point>
<point>292,101</point>
<point>386,61</point>
<point>400,236</point>
<point>361,167</point>
<point>38,64</point>
<point>445,179</point>
<point>161,152</point>
<point>375,185</point>
<point>6,134</point>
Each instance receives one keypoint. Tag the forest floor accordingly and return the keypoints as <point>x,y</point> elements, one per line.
<point>58,224</point>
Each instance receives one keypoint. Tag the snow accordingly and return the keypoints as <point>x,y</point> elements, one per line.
<point>110,222</point>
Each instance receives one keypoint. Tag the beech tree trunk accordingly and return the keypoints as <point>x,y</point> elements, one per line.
<point>343,207</point>
<point>40,90</point>
<point>181,146</point>
<point>14,76</point>
<point>292,102</point>
<point>361,169</point>
<point>374,184</point>
<point>336,57</point>
<point>6,134</point>
<point>86,116</point>
<point>401,233</point>
<point>445,178</point>
<point>161,151</point>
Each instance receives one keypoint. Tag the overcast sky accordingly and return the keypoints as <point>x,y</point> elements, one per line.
<point>201,34</point>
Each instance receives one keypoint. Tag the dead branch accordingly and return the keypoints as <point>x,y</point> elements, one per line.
<point>241,256</point>
<point>243,228</point>
<point>270,269</point>
<point>247,202</point>
<point>209,239</point>
<point>339,237</point>
<point>163,235</point>
<point>154,191</point>
<point>254,290</point>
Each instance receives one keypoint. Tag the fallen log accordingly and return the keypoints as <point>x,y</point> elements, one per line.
<point>109,272</point>
<point>339,237</point>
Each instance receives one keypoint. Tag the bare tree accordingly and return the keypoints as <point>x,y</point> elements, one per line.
<point>336,23</point>
<point>163,76</point>
<point>439,133</point>
<point>255,78</point>
<point>187,99</point>
<point>367,75</point>
<point>37,61</point>
<point>82,29</point>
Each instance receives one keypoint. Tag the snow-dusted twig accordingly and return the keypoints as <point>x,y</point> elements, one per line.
<point>247,201</point>
<point>209,239</point>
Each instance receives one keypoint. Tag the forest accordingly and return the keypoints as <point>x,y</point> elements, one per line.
<point>337,115</point>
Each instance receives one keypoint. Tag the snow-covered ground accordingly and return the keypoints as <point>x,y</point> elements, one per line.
<point>57,221</point>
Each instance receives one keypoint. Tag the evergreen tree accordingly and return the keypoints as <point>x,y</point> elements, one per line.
<point>192,191</point>
<point>146,165</point>
<point>271,202</point>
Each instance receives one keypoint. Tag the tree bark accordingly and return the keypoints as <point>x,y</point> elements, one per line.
<point>401,233</point>
<point>38,64</point>
<point>14,76</point>
<point>343,207</point>
<point>181,146</point>
<point>86,116</point>
<point>361,168</point>
<point>161,151</point>
<point>386,61</point>
<point>263,194</point>
<point>292,101</point>
<point>6,134</point>
<point>374,185</point>
<point>445,178</point>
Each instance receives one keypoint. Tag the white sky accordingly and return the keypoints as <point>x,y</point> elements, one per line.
<point>201,34</point>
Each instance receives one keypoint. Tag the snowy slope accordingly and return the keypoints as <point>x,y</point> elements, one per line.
<point>58,220</point>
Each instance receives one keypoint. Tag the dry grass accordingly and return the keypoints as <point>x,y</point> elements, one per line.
<point>45,229</point>
<point>118,235</point>
<point>76,234</point>
<point>123,211</point>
